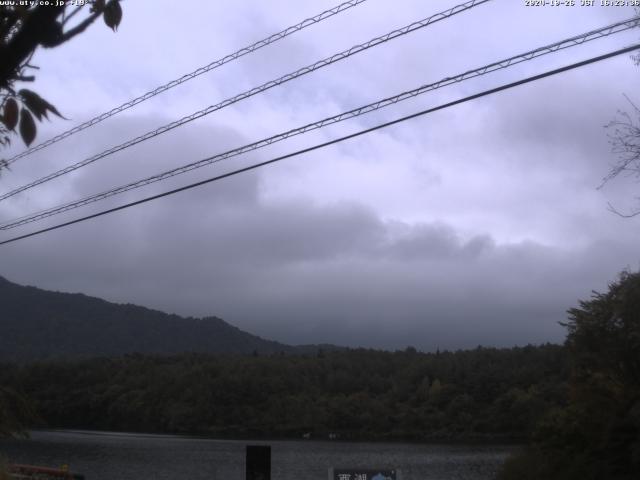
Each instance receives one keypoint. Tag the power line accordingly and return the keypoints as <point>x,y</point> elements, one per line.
<point>249,93</point>
<point>185,78</point>
<point>334,141</point>
<point>502,64</point>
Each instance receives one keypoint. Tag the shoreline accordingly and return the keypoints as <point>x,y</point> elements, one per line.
<point>494,440</point>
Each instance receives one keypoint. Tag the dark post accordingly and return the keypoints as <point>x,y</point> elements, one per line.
<point>258,462</point>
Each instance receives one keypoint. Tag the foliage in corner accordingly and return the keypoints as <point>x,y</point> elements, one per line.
<point>624,139</point>
<point>598,434</point>
<point>16,413</point>
<point>24,28</point>
<point>4,469</point>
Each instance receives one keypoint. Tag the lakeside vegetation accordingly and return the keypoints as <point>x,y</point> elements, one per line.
<point>355,394</point>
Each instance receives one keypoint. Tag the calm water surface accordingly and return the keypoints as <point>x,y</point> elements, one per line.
<point>121,456</point>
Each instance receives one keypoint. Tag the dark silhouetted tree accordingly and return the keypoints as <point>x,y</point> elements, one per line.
<point>624,138</point>
<point>24,28</point>
<point>597,435</point>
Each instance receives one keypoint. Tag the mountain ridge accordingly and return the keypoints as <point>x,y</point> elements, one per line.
<point>38,324</point>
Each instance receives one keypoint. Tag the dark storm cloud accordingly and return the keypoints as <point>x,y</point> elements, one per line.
<point>434,241</point>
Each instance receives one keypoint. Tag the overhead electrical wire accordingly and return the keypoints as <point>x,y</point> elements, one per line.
<point>332,142</point>
<point>502,64</point>
<point>249,93</point>
<point>189,76</point>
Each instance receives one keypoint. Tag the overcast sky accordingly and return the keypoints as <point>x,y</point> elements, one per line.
<point>479,224</point>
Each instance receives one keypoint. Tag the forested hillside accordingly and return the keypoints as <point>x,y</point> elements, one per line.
<point>362,394</point>
<point>38,324</point>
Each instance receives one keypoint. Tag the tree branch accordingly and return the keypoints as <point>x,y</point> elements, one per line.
<point>612,209</point>
<point>81,27</point>
<point>33,31</point>
<point>72,14</point>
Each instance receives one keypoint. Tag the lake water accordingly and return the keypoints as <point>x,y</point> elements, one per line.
<point>121,456</point>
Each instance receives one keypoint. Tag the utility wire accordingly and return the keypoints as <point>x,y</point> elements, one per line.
<point>502,64</point>
<point>185,78</point>
<point>249,93</point>
<point>332,142</point>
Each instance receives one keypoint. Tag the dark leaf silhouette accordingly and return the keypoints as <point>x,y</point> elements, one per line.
<point>51,35</point>
<point>38,105</point>
<point>113,14</point>
<point>98,5</point>
<point>27,127</point>
<point>10,117</point>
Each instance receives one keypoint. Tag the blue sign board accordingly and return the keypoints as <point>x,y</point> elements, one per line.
<point>363,474</point>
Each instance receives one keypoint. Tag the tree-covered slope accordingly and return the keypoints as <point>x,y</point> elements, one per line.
<point>355,394</point>
<point>39,324</point>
